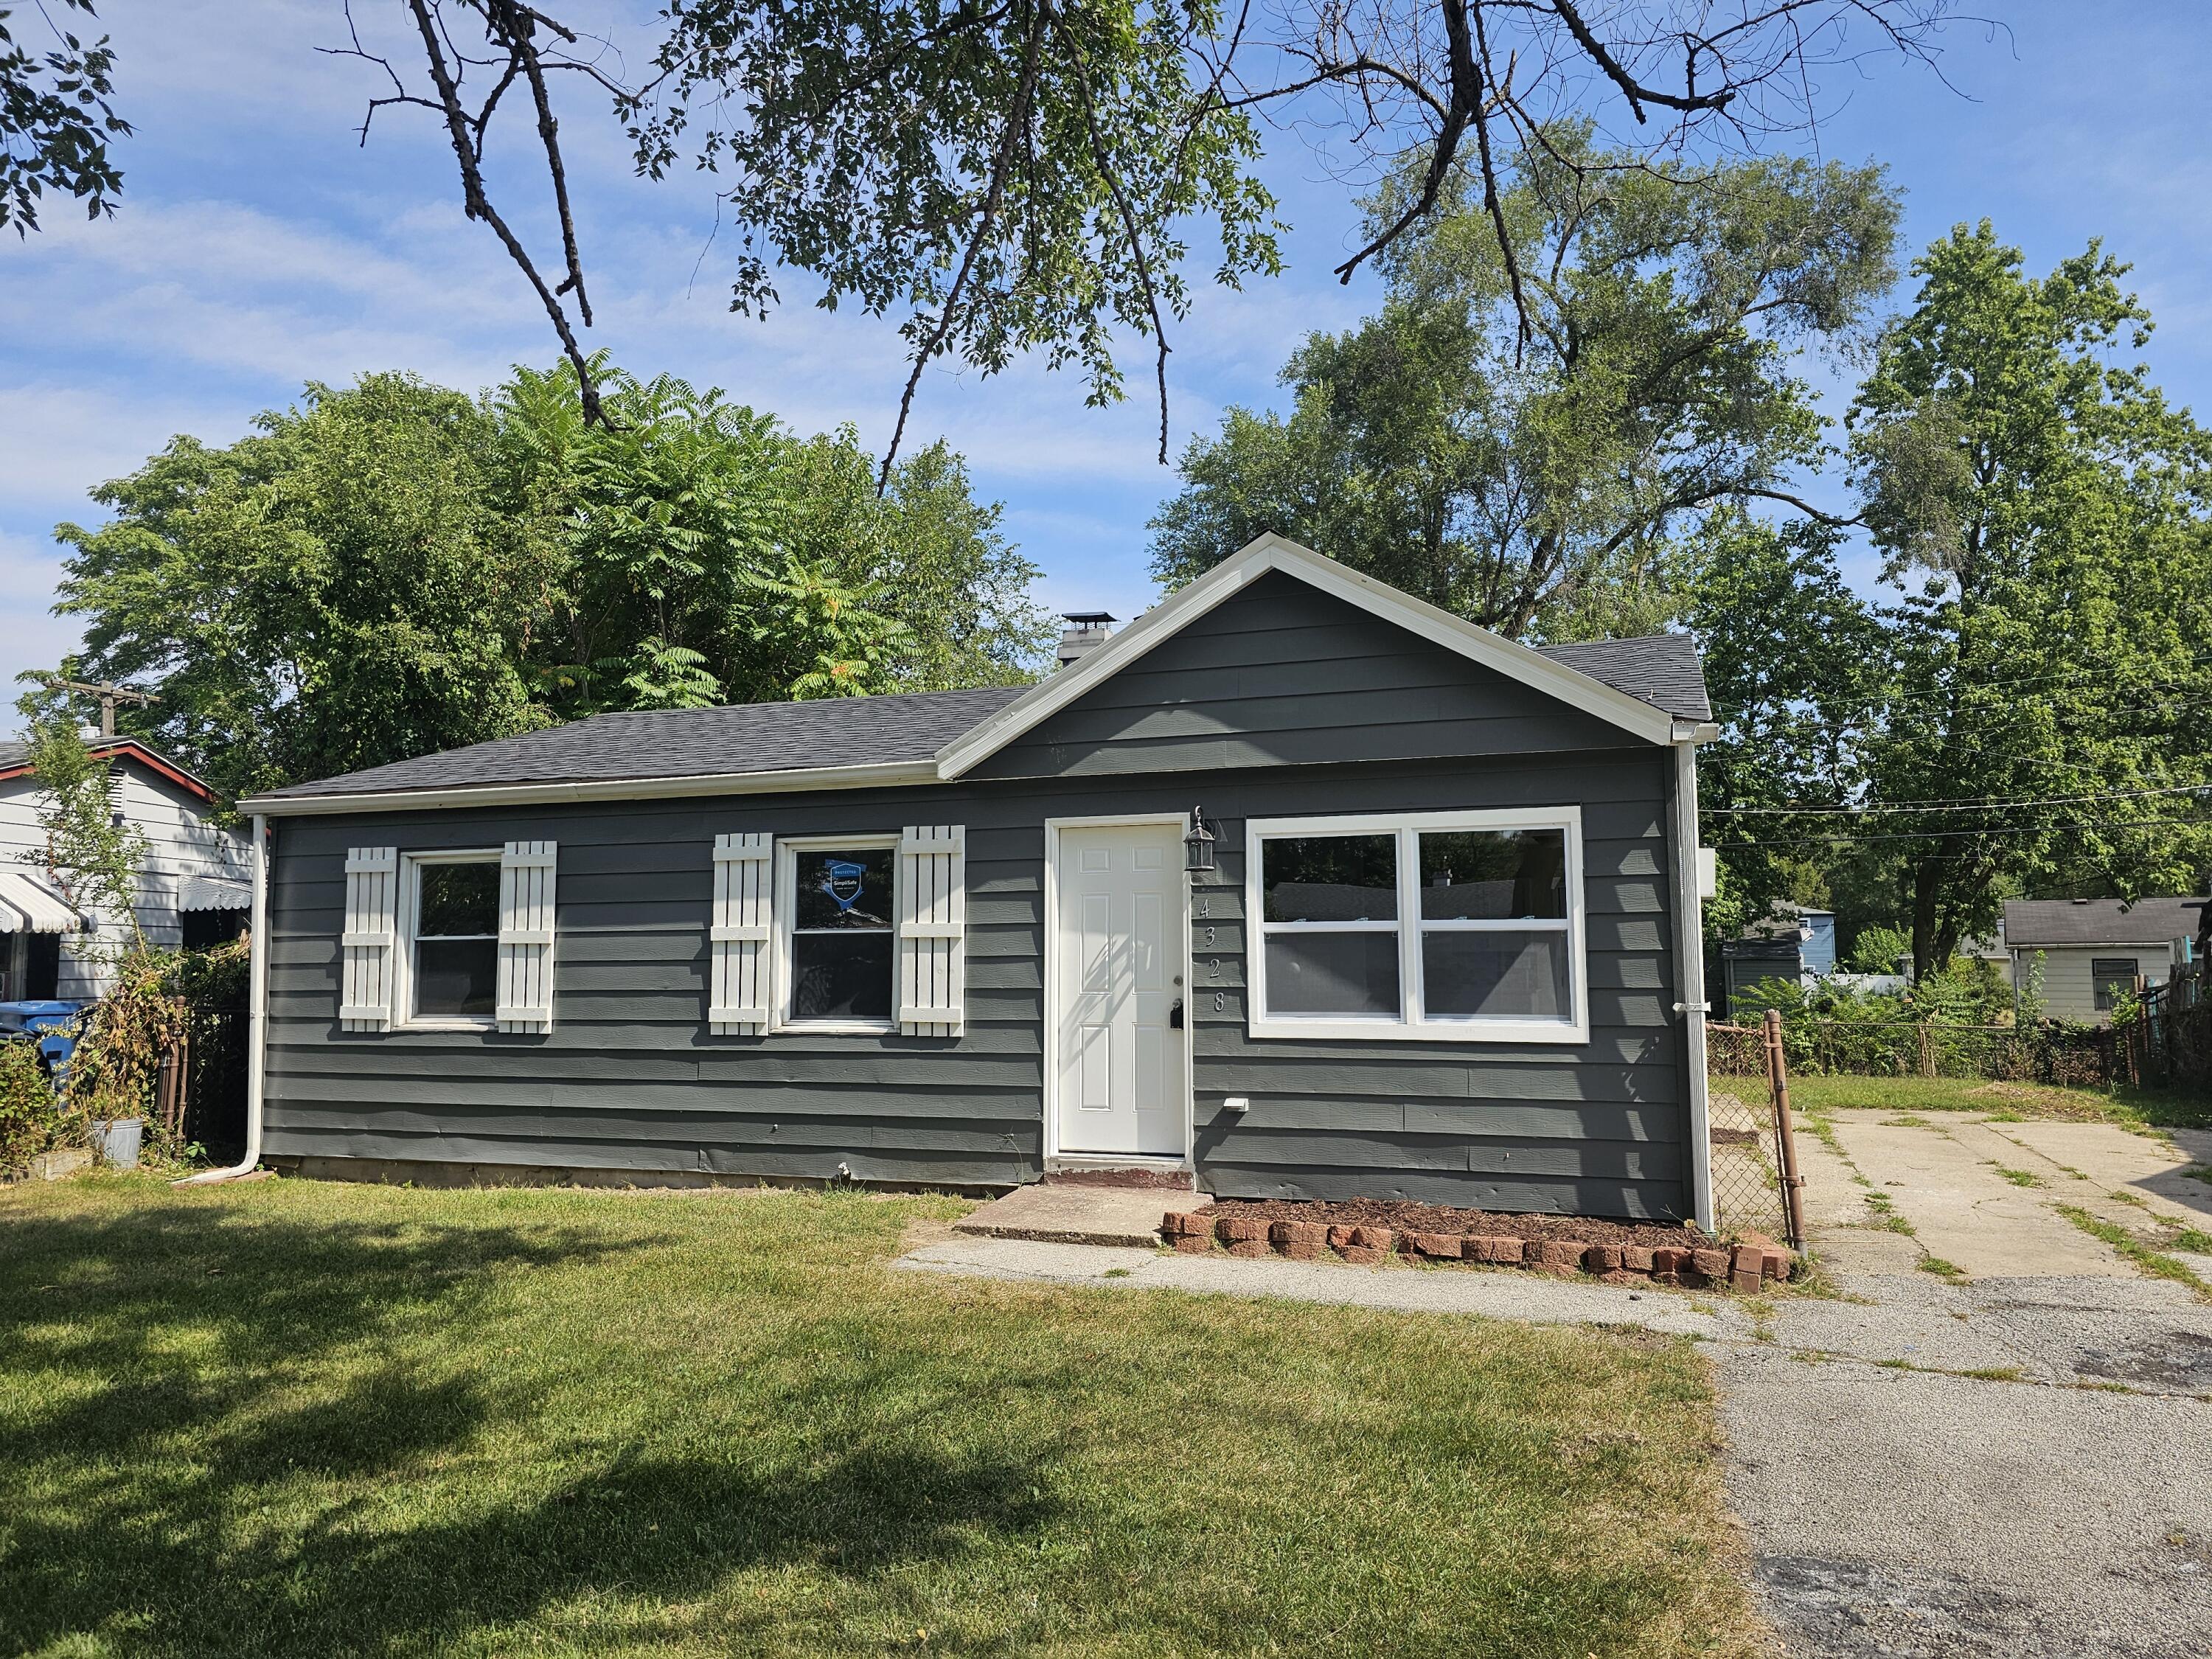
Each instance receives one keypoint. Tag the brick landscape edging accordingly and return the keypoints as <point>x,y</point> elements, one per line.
<point>1746,1266</point>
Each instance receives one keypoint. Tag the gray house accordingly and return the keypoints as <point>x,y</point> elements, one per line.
<point>1446,947</point>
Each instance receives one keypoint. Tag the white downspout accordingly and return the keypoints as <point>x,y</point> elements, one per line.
<point>1690,953</point>
<point>257,1004</point>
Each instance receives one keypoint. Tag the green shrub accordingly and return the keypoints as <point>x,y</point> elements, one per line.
<point>32,1120</point>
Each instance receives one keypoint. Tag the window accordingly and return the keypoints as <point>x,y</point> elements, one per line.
<point>1433,925</point>
<point>453,941</point>
<point>2112,976</point>
<point>839,932</point>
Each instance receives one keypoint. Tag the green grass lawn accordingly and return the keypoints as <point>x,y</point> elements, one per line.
<point>293,1417</point>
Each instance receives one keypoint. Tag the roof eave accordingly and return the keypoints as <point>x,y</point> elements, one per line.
<point>883,775</point>
<point>133,749</point>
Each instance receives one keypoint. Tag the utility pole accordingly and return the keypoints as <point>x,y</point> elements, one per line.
<point>109,695</point>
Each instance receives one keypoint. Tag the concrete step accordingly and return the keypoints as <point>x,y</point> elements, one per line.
<point>1056,1214</point>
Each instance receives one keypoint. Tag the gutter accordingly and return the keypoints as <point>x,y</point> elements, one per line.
<point>531,794</point>
<point>1690,954</point>
<point>257,1016</point>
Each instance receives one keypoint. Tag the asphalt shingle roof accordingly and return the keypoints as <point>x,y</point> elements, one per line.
<point>683,743</point>
<point>781,737</point>
<point>1660,669</point>
<point>2033,924</point>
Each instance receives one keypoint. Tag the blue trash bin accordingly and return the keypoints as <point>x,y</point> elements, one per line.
<point>55,1023</point>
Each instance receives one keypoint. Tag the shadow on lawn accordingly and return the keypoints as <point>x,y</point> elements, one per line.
<point>169,1503</point>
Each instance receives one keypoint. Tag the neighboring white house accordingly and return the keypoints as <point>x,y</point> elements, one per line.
<point>195,890</point>
<point>2094,948</point>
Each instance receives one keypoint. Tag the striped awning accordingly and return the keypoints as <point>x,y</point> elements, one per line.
<point>213,893</point>
<point>28,905</point>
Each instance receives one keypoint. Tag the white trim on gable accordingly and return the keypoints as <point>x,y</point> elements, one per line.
<point>1272,552</point>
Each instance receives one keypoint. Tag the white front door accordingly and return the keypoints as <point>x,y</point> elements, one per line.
<point>1117,977</point>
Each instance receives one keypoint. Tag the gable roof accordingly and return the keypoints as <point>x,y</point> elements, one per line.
<point>1570,682</point>
<point>2033,924</point>
<point>16,761</point>
<point>1652,689</point>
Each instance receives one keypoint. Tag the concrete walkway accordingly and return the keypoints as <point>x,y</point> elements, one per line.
<point>2014,1463</point>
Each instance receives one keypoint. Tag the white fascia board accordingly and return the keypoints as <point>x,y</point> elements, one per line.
<point>596,789</point>
<point>1273,552</point>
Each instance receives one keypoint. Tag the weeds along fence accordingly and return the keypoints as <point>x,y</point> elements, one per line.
<point>2081,1056</point>
<point>2168,1038</point>
<point>199,1090</point>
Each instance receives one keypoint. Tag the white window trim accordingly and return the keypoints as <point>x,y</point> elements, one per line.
<point>409,918</point>
<point>785,922</point>
<point>1411,1024</point>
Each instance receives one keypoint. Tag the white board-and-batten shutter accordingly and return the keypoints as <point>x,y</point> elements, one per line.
<point>524,999</point>
<point>372,924</point>
<point>932,927</point>
<point>738,938</point>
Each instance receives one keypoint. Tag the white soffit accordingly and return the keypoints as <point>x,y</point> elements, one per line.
<point>1255,559</point>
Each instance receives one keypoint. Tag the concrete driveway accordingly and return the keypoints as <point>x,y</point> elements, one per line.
<point>2013,1458</point>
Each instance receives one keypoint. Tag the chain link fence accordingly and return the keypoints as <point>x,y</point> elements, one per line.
<point>2082,1056</point>
<point>1747,1158</point>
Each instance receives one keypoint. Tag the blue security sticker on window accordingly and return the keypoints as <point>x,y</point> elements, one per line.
<point>844,881</point>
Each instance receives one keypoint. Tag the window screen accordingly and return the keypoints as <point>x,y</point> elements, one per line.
<point>1332,905</point>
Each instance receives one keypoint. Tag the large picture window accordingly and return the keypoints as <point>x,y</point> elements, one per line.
<point>839,932</point>
<point>1432,925</point>
<point>453,938</point>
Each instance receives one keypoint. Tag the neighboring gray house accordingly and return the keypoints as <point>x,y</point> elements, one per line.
<point>2092,949</point>
<point>1448,950</point>
<point>192,891</point>
<point>1790,943</point>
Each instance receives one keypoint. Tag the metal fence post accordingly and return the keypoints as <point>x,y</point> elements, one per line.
<point>1786,1140</point>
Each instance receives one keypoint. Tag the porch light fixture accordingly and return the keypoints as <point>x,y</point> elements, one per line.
<point>1198,844</point>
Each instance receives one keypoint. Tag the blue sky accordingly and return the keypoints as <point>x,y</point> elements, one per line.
<point>258,246</point>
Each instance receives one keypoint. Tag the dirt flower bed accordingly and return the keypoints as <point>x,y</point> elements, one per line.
<point>1370,1232</point>
<point>1401,1216</point>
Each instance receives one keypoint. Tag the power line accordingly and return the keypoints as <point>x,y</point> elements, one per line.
<point>1937,835</point>
<point>1964,806</point>
<point>1971,686</point>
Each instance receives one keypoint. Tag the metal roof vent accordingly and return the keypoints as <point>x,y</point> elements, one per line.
<point>1085,632</point>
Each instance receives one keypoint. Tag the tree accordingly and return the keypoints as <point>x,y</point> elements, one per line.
<point>709,556</point>
<point>392,568</point>
<point>1795,664</point>
<point>56,119</point>
<point>2035,719</point>
<point>336,591</point>
<point>87,845</point>
<point>1537,485</point>
<point>1022,175</point>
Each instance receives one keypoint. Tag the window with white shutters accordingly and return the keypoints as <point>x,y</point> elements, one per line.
<point>372,915</point>
<point>932,918</point>
<point>737,1001</point>
<point>527,871</point>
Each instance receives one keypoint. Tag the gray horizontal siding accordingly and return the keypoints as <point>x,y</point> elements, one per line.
<point>1283,675</point>
<point>630,1078</point>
